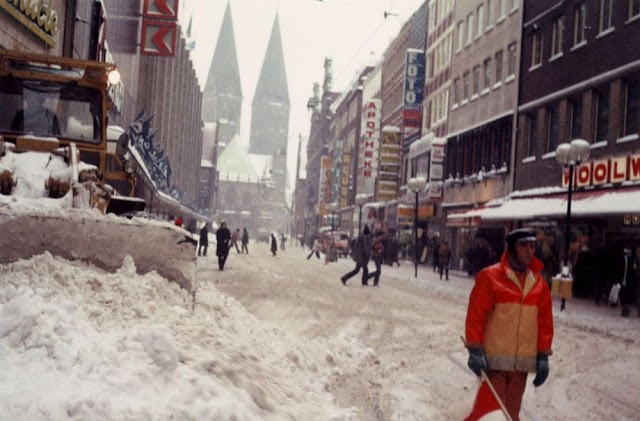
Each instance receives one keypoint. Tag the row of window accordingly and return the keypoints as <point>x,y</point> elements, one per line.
<point>482,78</point>
<point>598,122</point>
<point>580,26</point>
<point>473,26</point>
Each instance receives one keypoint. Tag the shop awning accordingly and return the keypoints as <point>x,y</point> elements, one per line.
<point>583,204</point>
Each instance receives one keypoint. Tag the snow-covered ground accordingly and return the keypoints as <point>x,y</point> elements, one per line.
<point>268,338</point>
<point>277,338</point>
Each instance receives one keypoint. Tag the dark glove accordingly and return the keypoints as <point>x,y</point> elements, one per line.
<point>542,369</point>
<point>477,363</point>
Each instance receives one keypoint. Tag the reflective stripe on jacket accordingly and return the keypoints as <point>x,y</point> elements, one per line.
<point>512,324</point>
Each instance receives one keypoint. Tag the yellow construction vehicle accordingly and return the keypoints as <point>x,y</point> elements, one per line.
<point>54,153</point>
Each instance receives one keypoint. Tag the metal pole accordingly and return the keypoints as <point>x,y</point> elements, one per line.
<point>567,231</point>
<point>415,235</point>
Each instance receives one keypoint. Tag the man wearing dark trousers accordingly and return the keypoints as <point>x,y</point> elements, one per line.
<point>223,236</point>
<point>361,254</point>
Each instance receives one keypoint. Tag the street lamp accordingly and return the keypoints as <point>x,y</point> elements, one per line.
<point>361,199</point>
<point>570,155</point>
<point>416,185</point>
<point>332,207</point>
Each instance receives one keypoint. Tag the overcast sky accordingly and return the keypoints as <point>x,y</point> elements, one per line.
<point>351,32</point>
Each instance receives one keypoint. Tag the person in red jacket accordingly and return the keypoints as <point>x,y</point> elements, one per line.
<point>509,323</point>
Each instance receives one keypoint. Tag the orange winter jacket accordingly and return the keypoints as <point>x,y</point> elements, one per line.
<point>512,324</point>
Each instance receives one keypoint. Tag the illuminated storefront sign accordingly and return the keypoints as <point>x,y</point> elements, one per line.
<point>389,170</point>
<point>605,171</point>
<point>369,143</point>
<point>413,92</point>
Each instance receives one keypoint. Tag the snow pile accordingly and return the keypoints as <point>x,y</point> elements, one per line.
<point>78,342</point>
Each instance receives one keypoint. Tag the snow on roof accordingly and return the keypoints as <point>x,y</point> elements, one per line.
<point>235,162</point>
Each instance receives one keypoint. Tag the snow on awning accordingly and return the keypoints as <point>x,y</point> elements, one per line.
<point>589,203</point>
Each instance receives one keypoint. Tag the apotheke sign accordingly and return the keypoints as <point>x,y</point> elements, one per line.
<point>36,15</point>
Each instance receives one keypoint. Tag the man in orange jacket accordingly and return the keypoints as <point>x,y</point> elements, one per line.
<point>509,324</point>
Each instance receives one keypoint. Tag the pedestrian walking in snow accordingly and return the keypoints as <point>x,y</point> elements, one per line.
<point>509,323</point>
<point>361,253</point>
<point>235,237</point>
<point>274,245</point>
<point>316,248</point>
<point>377,255</point>
<point>204,240</point>
<point>245,240</point>
<point>223,236</point>
<point>444,259</point>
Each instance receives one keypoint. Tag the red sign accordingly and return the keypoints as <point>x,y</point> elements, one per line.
<point>159,37</point>
<point>161,9</point>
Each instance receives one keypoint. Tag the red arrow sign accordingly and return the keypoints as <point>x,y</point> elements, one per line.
<point>161,9</point>
<point>158,37</point>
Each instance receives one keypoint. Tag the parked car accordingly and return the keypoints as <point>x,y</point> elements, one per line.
<point>342,240</point>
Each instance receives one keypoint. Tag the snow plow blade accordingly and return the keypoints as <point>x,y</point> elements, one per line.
<point>79,234</point>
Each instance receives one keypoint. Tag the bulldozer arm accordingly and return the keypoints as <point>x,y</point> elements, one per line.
<point>105,241</point>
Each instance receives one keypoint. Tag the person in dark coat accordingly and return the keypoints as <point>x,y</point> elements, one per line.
<point>223,236</point>
<point>391,248</point>
<point>377,255</point>
<point>245,240</point>
<point>274,245</point>
<point>204,241</point>
<point>361,254</point>
<point>628,294</point>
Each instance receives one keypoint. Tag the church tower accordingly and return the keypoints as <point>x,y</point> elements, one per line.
<point>270,112</point>
<point>222,96</point>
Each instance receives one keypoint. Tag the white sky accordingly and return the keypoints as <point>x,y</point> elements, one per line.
<point>351,32</point>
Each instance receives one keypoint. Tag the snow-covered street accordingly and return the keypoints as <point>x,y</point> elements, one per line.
<point>278,338</point>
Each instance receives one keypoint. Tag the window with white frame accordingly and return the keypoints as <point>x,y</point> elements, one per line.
<point>632,108</point>
<point>634,9</point>
<point>460,35</point>
<point>432,16</point>
<point>491,13</point>
<point>553,127</point>
<point>498,66</point>
<point>502,9</point>
<point>515,4</point>
<point>487,73</point>
<point>476,80</point>
<point>456,91</point>
<point>511,59</point>
<point>602,114</point>
<point>465,86</point>
<point>580,23</point>
<point>480,18</point>
<point>575,105</point>
<point>606,21</point>
<point>531,130</point>
<point>469,28</point>
<point>557,29</point>
<point>536,48</point>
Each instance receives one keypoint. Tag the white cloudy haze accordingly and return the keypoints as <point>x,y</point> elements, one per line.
<point>351,32</point>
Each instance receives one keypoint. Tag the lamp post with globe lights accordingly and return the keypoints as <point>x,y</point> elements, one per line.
<point>570,155</point>
<point>416,185</point>
<point>361,199</point>
<point>332,207</point>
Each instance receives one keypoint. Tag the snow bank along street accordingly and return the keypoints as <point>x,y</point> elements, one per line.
<point>277,338</point>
